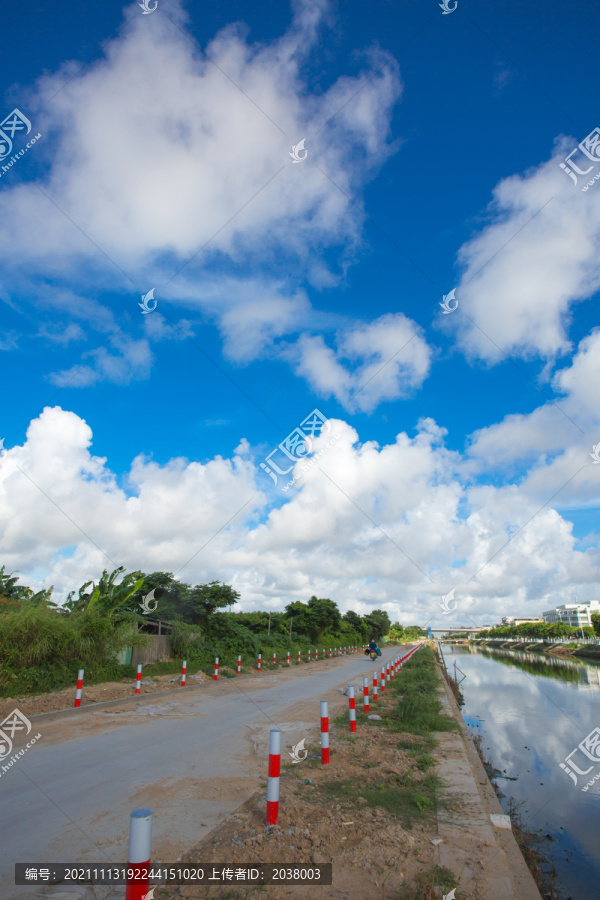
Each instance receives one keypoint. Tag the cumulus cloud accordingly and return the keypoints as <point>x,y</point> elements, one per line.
<point>161,152</point>
<point>530,264</point>
<point>169,165</point>
<point>550,447</point>
<point>393,527</point>
<point>385,360</point>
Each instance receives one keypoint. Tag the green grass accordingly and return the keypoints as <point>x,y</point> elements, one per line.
<point>400,796</point>
<point>420,711</point>
<point>415,711</point>
<point>428,884</point>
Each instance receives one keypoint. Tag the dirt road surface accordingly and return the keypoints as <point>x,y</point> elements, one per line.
<point>193,756</point>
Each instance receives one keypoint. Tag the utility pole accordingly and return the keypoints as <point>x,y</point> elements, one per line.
<point>269,628</point>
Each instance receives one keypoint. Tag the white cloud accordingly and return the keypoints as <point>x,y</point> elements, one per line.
<point>132,361</point>
<point>386,360</point>
<point>164,159</point>
<point>368,526</point>
<point>552,443</point>
<point>157,149</point>
<point>62,334</point>
<point>525,270</point>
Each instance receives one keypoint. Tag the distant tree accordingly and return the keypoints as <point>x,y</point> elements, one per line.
<point>396,632</point>
<point>378,624</point>
<point>298,611</point>
<point>180,602</point>
<point>412,632</point>
<point>356,622</point>
<point>205,599</point>
<point>170,600</point>
<point>314,618</point>
<point>322,615</point>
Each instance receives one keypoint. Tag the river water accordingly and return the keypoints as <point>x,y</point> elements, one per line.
<point>532,713</point>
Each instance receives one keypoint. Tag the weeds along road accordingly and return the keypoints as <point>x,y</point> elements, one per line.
<point>191,755</point>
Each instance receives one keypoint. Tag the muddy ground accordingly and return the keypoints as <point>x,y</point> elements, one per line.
<point>324,818</point>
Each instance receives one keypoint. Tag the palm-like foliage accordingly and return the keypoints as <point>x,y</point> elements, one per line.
<point>13,595</point>
<point>108,599</point>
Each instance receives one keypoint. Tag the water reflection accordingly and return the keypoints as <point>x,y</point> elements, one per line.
<point>532,712</point>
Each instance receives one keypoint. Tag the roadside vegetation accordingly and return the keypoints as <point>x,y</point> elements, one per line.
<point>410,707</point>
<point>371,811</point>
<point>43,643</point>
<point>543,630</point>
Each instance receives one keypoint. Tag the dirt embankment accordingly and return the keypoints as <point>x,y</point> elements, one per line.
<point>33,705</point>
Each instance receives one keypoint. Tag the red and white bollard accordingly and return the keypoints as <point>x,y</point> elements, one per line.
<point>375,686</point>
<point>298,657</point>
<point>273,780</point>
<point>259,660</point>
<point>239,665</point>
<point>366,695</point>
<point>330,653</point>
<point>392,667</point>
<point>324,732</point>
<point>138,855</point>
<point>79,687</point>
<point>288,658</point>
<point>274,659</point>
<point>309,655</point>
<point>183,672</point>
<point>388,673</point>
<point>352,708</point>
<point>216,668</point>
<point>138,679</point>
<point>382,680</point>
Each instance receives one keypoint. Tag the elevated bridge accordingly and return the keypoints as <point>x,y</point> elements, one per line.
<point>467,629</point>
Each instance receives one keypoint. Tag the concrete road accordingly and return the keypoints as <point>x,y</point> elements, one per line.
<point>192,755</point>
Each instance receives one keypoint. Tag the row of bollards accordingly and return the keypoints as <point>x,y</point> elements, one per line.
<point>140,823</point>
<point>138,679</point>
<point>387,673</point>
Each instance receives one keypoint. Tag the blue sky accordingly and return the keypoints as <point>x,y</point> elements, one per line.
<point>433,146</point>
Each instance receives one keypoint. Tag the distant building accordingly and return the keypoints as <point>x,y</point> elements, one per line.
<point>575,614</point>
<point>523,620</point>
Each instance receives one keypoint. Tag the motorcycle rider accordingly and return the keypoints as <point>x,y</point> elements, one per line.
<point>373,648</point>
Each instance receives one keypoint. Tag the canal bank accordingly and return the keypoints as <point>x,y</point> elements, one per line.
<point>478,843</point>
<point>574,651</point>
<point>535,718</point>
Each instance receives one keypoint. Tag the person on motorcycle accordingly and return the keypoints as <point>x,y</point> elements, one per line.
<point>373,648</point>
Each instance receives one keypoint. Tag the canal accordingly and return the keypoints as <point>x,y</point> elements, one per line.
<point>533,713</point>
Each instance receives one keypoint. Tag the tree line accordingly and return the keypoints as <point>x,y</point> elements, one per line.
<point>41,642</point>
<point>544,630</point>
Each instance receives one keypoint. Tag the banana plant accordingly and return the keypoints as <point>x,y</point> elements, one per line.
<point>108,599</point>
<point>14,594</point>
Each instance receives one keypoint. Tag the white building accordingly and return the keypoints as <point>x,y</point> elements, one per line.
<point>521,620</point>
<point>575,614</point>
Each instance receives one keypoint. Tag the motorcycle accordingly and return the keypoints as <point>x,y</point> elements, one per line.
<point>373,654</point>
